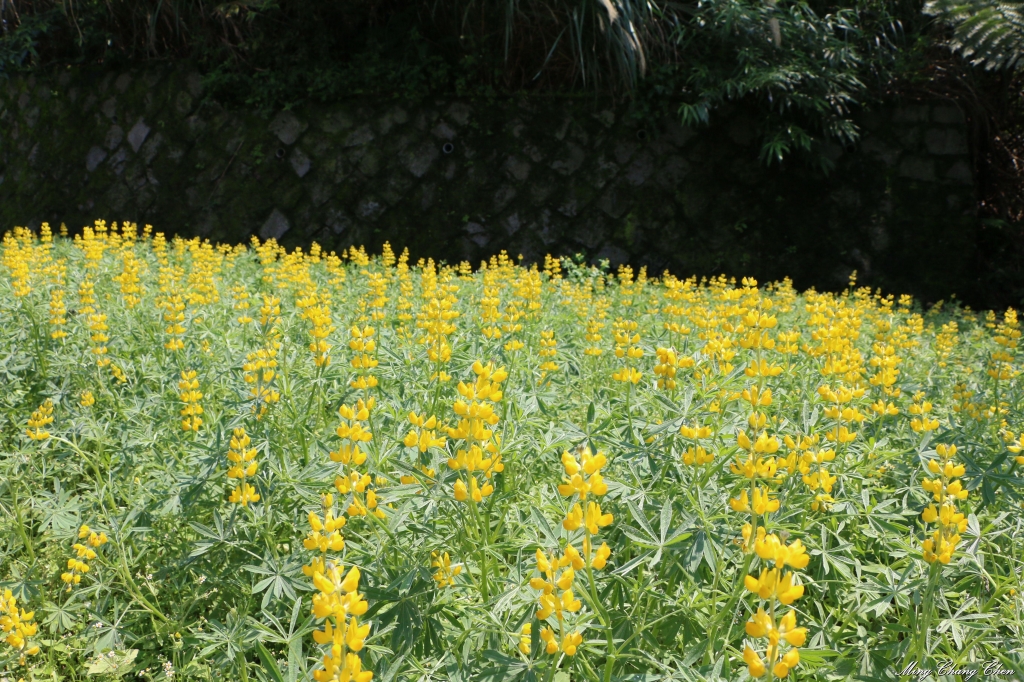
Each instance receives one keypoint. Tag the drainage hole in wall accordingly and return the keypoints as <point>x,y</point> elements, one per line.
<point>448,148</point>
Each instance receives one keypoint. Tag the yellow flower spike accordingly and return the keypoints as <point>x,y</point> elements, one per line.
<point>569,601</point>
<point>795,636</point>
<point>571,642</point>
<point>740,504</point>
<point>759,625</point>
<point>547,635</point>
<point>574,558</point>
<point>446,572</point>
<point>755,665</point>
<point>543,565</point>
<point>538,583</point>
<point>325,636</point>
<point>574,519</point>
<point>525,639</point>
<point>595,519</point>
<point>322,583</point>
<point>604,552</point>
<point>548,604</point>
<point>41,416</point>
<point>355,634</point>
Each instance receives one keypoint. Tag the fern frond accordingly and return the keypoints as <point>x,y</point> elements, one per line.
<point>989,33</point>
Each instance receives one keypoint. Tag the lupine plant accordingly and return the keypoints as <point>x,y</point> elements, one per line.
<point>260,464</point>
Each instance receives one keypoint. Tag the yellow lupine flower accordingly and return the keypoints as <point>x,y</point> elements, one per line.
<point>41,416</point>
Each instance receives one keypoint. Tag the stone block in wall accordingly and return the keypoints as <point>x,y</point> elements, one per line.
<point>336,121</point>
<point>360,136</point>
<point>613,254</point>
<point>275,226</point>
<point>918,168</point>
<point>287,127</point>
<point>300,163</point>
<point>94,158</point>
<point>505,194</point>
<point>948,114</point>
<point>606,117</point>
<point>443,131</point>
<point>512,224</point>
<point>673,171</point>
<point>369,161</point>
<point>459,112</point>
<point>477,233</point>
<point>614,200</point>
<point>183,103</point>
<point>874,146</point>
<point>577,196</point>
<point>639,169</point>
<point>960,172</point>
<point>419,158</point>
<point>194,83</point>
<point>911,113</point>
<point>945,141</point>
<point>137,135</point>
<point>114,136</point>
<point>909,138</point>
<point>394,116</point>
<point>397,187</point>
<point>370,208</point>
<point>516,169</point>
<point>569,159</point>
<point>540,191</point>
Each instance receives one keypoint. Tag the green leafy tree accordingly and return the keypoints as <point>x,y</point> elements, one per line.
<point>805,70</point>
<point>989,33</point>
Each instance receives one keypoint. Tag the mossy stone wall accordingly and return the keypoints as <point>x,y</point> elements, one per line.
<point>457,179</point>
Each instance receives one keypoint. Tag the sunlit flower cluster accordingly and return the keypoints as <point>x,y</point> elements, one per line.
<point>243,466</point>
<point>41,417</point>
<point>18,626</point>
<point>84,551</point>
<point>946,490</point>
<point>480,447</point>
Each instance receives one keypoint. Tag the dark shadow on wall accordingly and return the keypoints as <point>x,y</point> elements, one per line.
<point>459,179</point>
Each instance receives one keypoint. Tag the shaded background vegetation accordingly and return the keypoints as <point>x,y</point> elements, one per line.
<point>804,67</point>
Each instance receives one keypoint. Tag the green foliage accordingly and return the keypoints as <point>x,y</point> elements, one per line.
<point>989,33</point>
<point>806,71</point>
<point>192,587</point>
<point>272,54</point>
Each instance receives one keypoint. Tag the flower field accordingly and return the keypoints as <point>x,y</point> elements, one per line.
<point>238,462</point>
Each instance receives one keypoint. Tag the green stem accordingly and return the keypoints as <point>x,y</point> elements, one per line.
<point>605,620</point>
<point>242,666</point>
<point>713,630</point>
<point>95,469</point>
<point>935,570</point>
<point>629,413</point>
<point>484,580</point>
<point>21,527</point>
<point>133,588</point>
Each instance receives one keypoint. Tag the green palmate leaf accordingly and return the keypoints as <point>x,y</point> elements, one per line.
<point>270,664</point>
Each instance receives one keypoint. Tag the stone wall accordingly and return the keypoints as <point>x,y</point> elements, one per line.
<point>461,180</point>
